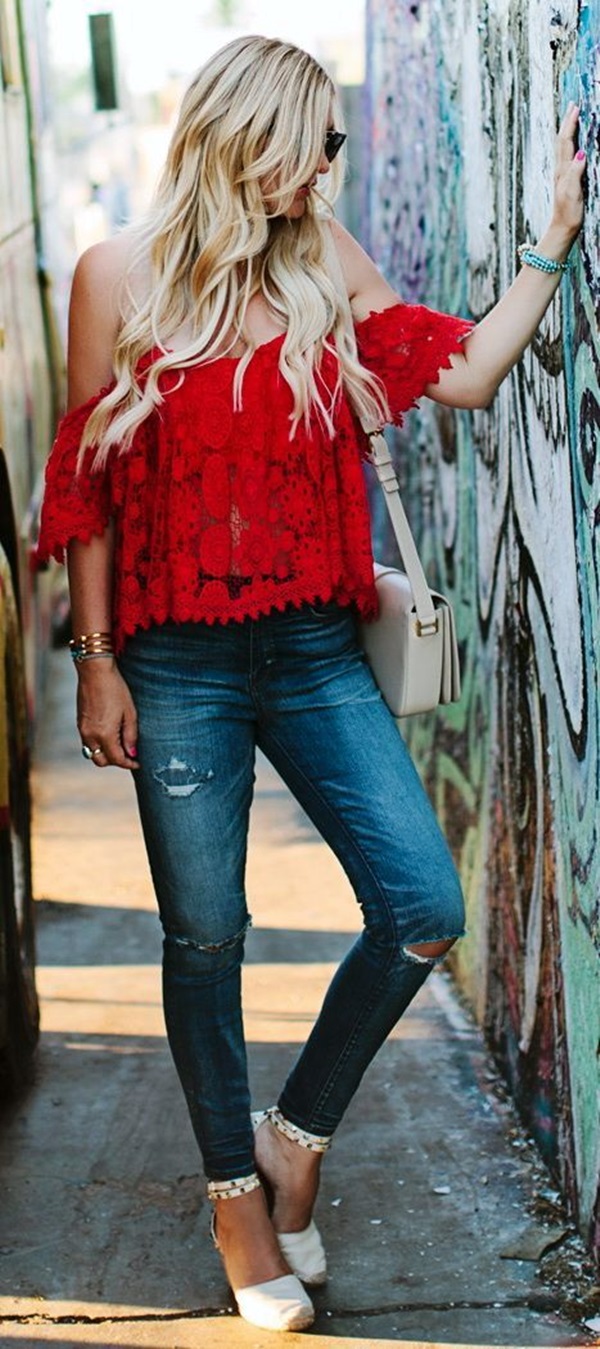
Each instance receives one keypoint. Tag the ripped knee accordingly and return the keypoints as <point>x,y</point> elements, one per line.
<point>429,952</point>
<point>209,948</point>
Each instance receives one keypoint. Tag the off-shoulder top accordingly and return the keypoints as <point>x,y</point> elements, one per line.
<point>218,514</point>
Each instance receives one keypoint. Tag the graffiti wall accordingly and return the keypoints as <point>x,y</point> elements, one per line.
<point>464,97</point>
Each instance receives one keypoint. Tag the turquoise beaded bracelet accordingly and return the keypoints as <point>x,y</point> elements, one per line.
<point>531,258</point>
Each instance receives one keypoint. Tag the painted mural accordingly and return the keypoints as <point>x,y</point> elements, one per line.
<point>464,97</point>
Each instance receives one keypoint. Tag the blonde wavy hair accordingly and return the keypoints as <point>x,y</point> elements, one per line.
<point>250,133</point>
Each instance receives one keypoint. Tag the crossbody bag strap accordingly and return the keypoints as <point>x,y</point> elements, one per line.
<point>384,468</point>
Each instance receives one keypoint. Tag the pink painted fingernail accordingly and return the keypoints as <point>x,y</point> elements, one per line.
<point>580,155</point>
<point>132,751</point>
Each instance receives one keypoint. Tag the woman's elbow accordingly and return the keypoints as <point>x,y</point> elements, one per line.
<point>468,396</point>
<point>482,398</point>
<point>478,394</point>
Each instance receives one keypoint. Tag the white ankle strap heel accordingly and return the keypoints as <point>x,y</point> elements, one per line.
<point>279,1304</point>
<point>304,1251</point>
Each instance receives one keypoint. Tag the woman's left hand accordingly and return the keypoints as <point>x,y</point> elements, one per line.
<point>567,214</point>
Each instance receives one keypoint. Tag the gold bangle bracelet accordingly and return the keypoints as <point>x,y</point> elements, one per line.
<point>91,637</point>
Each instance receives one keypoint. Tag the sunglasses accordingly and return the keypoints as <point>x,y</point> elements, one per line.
<point>333,142</point>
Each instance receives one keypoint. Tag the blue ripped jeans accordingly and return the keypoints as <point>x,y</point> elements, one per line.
<point>295,684</point>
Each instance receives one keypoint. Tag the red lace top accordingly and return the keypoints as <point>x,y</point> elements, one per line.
<point>219,515</point>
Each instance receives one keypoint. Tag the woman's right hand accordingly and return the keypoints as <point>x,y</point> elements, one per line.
<point>106,715</point>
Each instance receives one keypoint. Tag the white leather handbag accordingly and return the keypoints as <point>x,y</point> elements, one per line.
<point>411,647</point>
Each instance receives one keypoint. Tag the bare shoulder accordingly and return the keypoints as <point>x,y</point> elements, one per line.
<point>101,270</point>
<point>95,315</point>
<point>367,288</point>
<point>111,256</point>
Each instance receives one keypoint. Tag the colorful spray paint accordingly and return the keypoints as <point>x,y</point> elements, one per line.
<point>464,100</point>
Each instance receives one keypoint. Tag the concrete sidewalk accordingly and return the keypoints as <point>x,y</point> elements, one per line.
<point>104,1220</point>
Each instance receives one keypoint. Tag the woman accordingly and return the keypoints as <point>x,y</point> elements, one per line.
<point>207,486</point>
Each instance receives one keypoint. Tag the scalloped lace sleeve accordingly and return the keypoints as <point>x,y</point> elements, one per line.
<point>406,346</point>
<point>76,505</point>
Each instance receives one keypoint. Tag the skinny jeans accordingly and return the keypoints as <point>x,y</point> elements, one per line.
<point>296,684</point>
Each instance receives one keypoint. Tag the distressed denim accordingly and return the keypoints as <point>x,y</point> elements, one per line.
<point>297,685</point>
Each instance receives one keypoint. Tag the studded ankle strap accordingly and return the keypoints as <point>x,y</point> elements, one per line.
<point>312,1142</point>
<point>232,1189</point>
